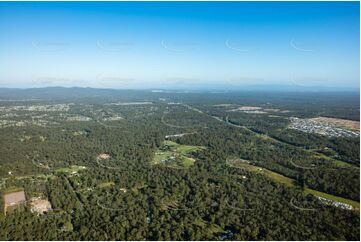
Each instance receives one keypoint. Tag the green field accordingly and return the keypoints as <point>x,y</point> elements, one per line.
<point>353,203</point>
<point>175,155</point>
<point>335,162</point>
<point>71,169</point>
<point>243,164</point>
<point>239,163</point>
<point>105,184</point>
<point>182,149</point>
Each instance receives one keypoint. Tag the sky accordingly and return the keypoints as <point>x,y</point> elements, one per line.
<point>181,45</point>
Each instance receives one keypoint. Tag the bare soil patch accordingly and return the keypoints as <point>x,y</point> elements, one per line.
<point>349,124</point>
<point>246,108</point>
<point>104,156</point>
<point>40,206</point>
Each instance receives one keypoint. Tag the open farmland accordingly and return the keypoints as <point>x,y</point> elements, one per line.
<point>175,155</point>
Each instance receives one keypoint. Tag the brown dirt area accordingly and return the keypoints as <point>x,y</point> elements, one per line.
<point>14,198</point>
<point>245,108</point>
<point>349,124</point>
<point>104,156</point>
<point>40,206</point>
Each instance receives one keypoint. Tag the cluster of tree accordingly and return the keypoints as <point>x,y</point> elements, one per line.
<point>128,198</point>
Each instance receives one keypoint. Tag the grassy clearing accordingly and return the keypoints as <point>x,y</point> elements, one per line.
<point>182,149</point>
<point>279,178</point>
<point>273,175</point>
<point>343,164</point>
<point>105,184</point>
<point>188,162</point>
<point>71,169</point>
<point>335,162</point>
<point>288,181</point>
<point>175,155</point>
<point>353,203</point>
<point>161,155</point>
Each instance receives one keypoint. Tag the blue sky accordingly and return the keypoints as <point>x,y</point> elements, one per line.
<point>179,44</point>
